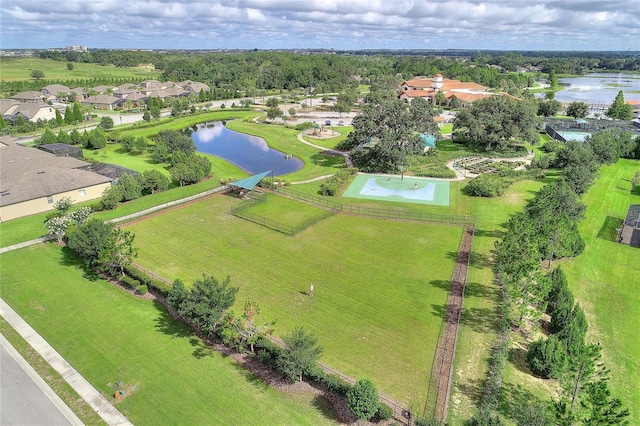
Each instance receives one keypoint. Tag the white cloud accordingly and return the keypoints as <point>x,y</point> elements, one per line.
<point>489,24</point>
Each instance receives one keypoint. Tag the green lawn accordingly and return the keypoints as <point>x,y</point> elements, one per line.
<point>605,279</point>
<point>17,69</point>
<point>109,336</point>
<point>380,286</point>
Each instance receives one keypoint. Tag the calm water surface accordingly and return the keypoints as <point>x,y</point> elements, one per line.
<point>250,153</point>
<point>599,88</point>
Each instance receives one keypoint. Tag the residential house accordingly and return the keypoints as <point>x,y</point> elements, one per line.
<point>8,106</point>
<point>101,90</point>
<point>56,92</point>
<point>636,107</point>
<point>32,111</point>
<point>103,102</point>
<point>79,93</point>
<point>29,96</point>
<point>31,180</point>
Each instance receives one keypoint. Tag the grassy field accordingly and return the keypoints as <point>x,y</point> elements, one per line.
<point>375,317</point>
<point>17,69</point>
<point>109,336</point>
<point>605,280</point>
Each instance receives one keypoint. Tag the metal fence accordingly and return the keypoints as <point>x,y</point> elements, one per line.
<point>166,205</point>
<point>439,387</point>
<point>377,212</point>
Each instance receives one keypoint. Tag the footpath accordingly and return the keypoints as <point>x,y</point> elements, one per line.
<point>99,403</point>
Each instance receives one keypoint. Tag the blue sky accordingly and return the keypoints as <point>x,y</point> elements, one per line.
<point>337,24</point>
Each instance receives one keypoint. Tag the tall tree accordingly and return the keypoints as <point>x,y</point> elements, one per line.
<point>363,399</point>
<point>299,356</point>
<point>207,301</point>
<point>619,110</point>
<point>495,122</point>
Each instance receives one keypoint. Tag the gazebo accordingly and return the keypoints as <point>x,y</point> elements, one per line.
<point>247,184</point>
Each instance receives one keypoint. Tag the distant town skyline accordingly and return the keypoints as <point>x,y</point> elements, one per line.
<point>612,25</point>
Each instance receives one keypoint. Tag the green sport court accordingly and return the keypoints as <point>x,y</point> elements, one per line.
<point>409,189</point>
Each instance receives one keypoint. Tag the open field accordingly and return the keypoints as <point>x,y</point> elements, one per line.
<point>380,286</point>
<point>18,69</point>
<point>109,336</point>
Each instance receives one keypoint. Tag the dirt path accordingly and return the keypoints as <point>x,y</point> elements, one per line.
<point>447,346</point>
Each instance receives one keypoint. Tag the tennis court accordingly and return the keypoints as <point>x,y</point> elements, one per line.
<point>409,189</point>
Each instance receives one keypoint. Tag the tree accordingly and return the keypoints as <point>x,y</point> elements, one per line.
<point>96,139</point>
<point>176,141</point>
<point>363,399</point>
<point>106,123</point>
<point>63,205</point>
<point>583,367</point>
<point>153,181</point>
<point>110,198</point>
<point>63,137</point>
<point>89,240</point>
<point>130,188</point>
<point>69,66</point>
<point>272,103</point>
<point>574,331</point>
<point>47,138</point>
<point>441,98</point>
<point>578,109</point>
<point>118,251</point>
<point>292,112</point>
<point>635,180</point>
<point>553,79</point>
<point>57,227</point>
<point>547,358</point>
<point>189,169</point>
<point>299,356</point>
<point>78,116</point>
<point>534,414</point>
<point>601,408</point>
<point>140,144</point>
<point>342,106</point>
<point>207,301</point>
<point>619,110</point>
<point>75,137</point>
<point>495,122</point>
<point>548,108</point>
<point>59,119</point>
<point>127,142</point>
<point>37,74</point>
<point>146,116</point>
<point>273,112</point>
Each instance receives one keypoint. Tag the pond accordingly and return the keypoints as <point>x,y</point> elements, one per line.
<point>250,153</point>
<point>599,88</point>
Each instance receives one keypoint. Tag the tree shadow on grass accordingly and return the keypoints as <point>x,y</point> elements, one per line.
<point>518,358</point>
<point>168,325</point>
<point>472,388</point>
<point>490,233</point>
<point>323,405</point>
<point>515,396</point>
<point>335,161</point>
<point>480,320</point>
<point>69,258</point>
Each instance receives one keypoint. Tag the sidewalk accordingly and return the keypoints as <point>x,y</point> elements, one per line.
<point>94,398</point>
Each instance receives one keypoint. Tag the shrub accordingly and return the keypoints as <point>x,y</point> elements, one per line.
<point>547,358</point>
<point>304,125</point>
<point>132,283</point>
<point>363,399</point>
<point>142,289</point>
<point>333,184</point>
<point>487,185</point>
<point>336,384</point>
<point>384,412</point>
<point>268,352</point>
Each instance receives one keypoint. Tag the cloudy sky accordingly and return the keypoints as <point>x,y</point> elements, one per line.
<point>338,24</point>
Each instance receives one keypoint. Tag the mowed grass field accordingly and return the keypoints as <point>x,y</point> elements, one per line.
<point>18,69</point>
<point>605,279</point>
<point>380,286</point>
<point>110,336</point>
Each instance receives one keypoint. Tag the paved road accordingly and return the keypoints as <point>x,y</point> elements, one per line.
<point>25,399</point>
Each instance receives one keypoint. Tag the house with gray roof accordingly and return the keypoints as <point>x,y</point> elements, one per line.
<point>32,180</point>
<point>196,87</point>
<point>103,102</point>
<point>30,96</point>
<point>630,232</point>
<point>32,111</point>
<point>56,91</point>
<point>8,106</point>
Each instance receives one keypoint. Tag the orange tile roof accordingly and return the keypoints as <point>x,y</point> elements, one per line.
<point>632,102</point>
